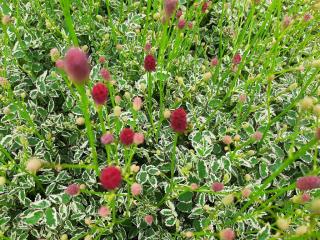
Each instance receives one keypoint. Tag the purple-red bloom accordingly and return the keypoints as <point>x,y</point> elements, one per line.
<point>107,138</point>
<point>178,120</point>
<point>308,183</point>
<point>105,74</point>
<point>169,7</point>
<point>77,65</point>
<point>181,23</point>
<point>236,59</point>
<point>110,177</point>
<point>205,6</point>
<point>217,186</point>
<point>73,190</point>
<point>60,64</point>
<point>150,63</point>
<point>126,136</point>
<point>99,93</point>
<point>148,219</point>
<point>214,61</point>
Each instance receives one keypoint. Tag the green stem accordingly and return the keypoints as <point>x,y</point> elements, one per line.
<point>66,12</point>
<point>85,106</point>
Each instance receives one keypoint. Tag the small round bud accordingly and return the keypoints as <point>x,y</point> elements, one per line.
<point>136,189</point>
<point>6,19</point>
<point>137,103</point>
<point>80,121</point>
<point>148,219</point>
<point>293,86</point>
<point>34,165</point>
<point>283,223</point>
<point>257,136</point>
<point>117,99</point>
<point>306,103</point>
<point>2,180</point>
<point>64,237</point>
<point>227,140</point>
<point>227,234</point>
<point>194,186</point>
<point>207,76</point>
<point>103,211</point>
<point>54,54</point>
<point>138,138</point>
<point>88,237</point>
<point>247,177</point>
<point>237,138</point>
<point>315,206</point>
<point>301,230</point>
<point>119,47</point>
<point>88,221</point>
<point>242,98</point>
<point>6,111</point>
<point>166,113</point>
<point>316,110</point>
<point>246,192</point>
<point>134,168</point>
<point>117,111</point>
<point>228,199</point>
<point>188,234</point>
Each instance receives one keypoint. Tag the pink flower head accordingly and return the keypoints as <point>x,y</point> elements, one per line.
<point>214,61</point>
<point>246,192</point>
<point>137,103</point>
<point>147,47</point>
<point>169,7</point>
<point>138,138</point>
<point>150,63</point>
<point>181,23</point>
<point>60,64</point>
<point>257,136</point>
<point>286,21</point>
<point>136,189</point>
<point>217,186</point>
<point>242,98</point>
<point>227,234</point>
<point>110,178</point>
<point>178,120</point>
<point>236,59</point>
<point>179,13</point>
<point>73,190</point>
<point>126,136</point>
<point>307,17</point>
<point>205,6</point>
<point>103,211</point>
<point>148,219</point>
<point>77,65</point>
<point>308,183</point>
<point>305,197</point>
<point>227,139</point>
<point>107,138</point>
<point>105,74</point>
<point>102,59</point>
<point>194,186</point>
<point>99,93</point>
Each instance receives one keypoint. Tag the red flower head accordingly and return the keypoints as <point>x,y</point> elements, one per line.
<point>72,190</point>
<point>181,23</point>
<point>76,65</point>
<point>308,182</point>
<point>178,120</point>
<point>99,93</point>
<point>236,59</point>
<point>169,7</point>
<point>126,136</point>
<point>205,6</point>
<point>102,59</point>
<point>105,74</point>
<point>179,13</point>
<point>110,177</point>
<point>217,187</point>
<point>214,61</point>
<point>150,63</point>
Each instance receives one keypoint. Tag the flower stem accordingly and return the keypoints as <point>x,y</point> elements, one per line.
<point>66,12</point>
<point>85,107</point>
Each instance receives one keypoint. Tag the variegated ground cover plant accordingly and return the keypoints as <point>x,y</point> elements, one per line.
<point>160,119</point>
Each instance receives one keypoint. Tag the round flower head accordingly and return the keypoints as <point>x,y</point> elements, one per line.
<point>286,21</point>
<point>33,165</point>
<point>205,6</point>
<point>60,64</point>
<point>148,219</point>
<point>147,47</point>
<point>76,65</point>
<point>126,136</point>
<point>178,120</point>
<point>110,178</point>
<point>179,13</point>
<point>246,192</point>
<point>2,180</point>
<point>308,183</point>
<point>315,206</point>
<point>257,136</point>
<point>54,54</point>
<point>181,23</point>
<point>137,103</point>
<point>107,138</point>
<point>214,61</point>
<point>217,186</point>
<point>150,63</point>
<point>307,17</point>
<point>138,138</point>
<point>102,59</point>
<point>105,74</point>
<point>236,59</point>
<point>103,211</point>
<point>73,190</point>
<point>194,186</point>
<point>136,189</point>
<point>6,19</point>
<point>99,93</point>
<point>169,7</point>
<point>227,139</point>
<point>305,197</point>
<point>283,223</point>
<point>227,234</point>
